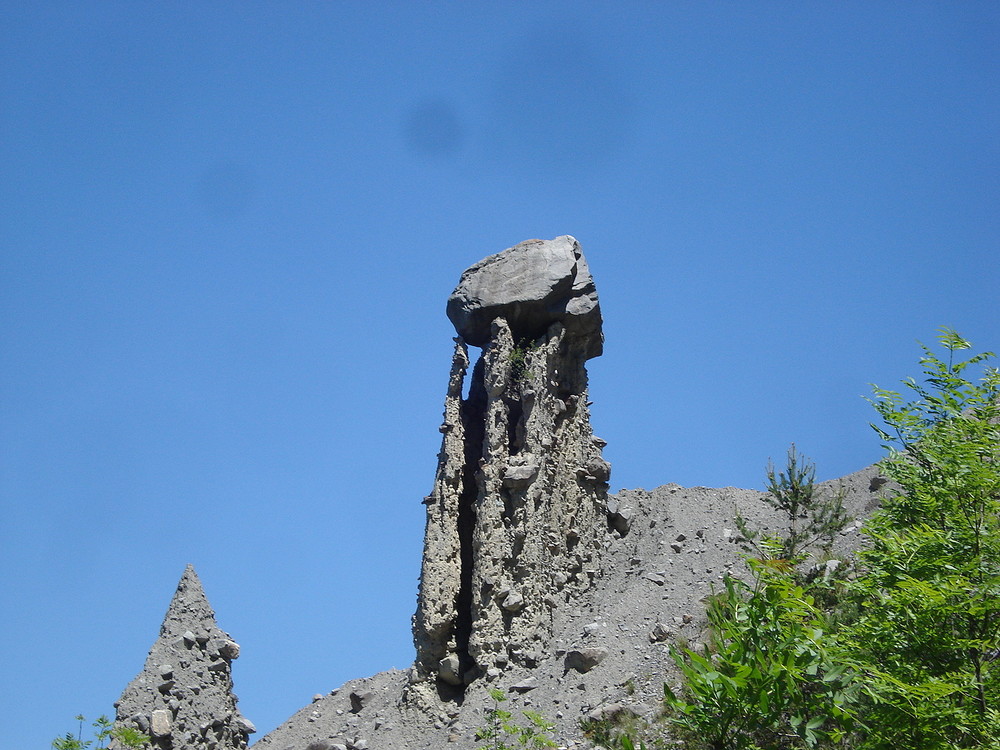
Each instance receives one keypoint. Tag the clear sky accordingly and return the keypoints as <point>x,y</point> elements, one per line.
<point>228,231</point>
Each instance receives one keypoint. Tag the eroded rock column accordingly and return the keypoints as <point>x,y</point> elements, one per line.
<point>519,498</point>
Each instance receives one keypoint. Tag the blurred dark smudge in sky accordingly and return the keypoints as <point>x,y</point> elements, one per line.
<point>432,127</point>
<point>559,104</point>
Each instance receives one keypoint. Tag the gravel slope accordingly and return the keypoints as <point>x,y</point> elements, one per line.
<point>648,590</point>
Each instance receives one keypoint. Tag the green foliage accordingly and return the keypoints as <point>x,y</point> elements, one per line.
<point>774,676</point>
<point>500,726</point>
<point>813,517</point>
<point>929,625</point>
<point>602,732</point>
<point>519,360</point>
<point>104,732</point>
<point>905,655</point>
<point>617,730</point>
<point>625,742</point>
<point>773,680</point>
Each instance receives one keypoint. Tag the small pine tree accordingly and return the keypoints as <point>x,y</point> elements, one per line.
<point>813,517</point>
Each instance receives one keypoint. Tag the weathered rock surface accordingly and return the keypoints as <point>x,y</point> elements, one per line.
<point>518,507</point>
<point>644,597</point>
<point>183,698</point>
<point>531,285</point>
<point>535,581</point>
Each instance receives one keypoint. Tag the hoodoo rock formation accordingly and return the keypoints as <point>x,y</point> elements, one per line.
<point>183,698</point>
<point>535,581</point>
<point>519,500</point>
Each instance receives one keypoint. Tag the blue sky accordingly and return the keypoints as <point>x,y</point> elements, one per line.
<point>228,231</point>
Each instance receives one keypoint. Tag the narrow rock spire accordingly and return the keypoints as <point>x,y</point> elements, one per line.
<point>519,505</point>
<point>183,698</point>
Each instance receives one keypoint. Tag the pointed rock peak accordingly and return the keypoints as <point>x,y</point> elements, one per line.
<point>183,698</point>
<point>189,609</point>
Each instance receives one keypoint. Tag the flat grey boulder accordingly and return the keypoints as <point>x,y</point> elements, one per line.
<point>532,285</point>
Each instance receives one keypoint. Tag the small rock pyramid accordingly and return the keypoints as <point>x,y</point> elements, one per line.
<point>183,698</point>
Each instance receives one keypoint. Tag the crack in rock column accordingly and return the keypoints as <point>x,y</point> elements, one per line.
<point>519,502</point>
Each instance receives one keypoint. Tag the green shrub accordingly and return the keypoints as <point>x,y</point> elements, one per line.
<point>104,732</point>
<point>500,726</point>
<point>928,631</point>
<point>773,679</point>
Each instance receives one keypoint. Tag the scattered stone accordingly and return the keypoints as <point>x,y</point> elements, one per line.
<point>660,633</point>
<point>528,683</point>
<point>449,670</point>
<point>245,724</point>
<point>585,659</point>
<point>599,469</point>
<point>519,477</point>
<point>512,602</point>
<point>619,516</point>
<point>159,725</point>
<point>360,699</point>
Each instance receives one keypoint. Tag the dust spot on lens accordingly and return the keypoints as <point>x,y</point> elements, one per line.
<point>432,127</point>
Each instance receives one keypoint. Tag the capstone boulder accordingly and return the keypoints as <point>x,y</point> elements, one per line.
<point>532,285</point>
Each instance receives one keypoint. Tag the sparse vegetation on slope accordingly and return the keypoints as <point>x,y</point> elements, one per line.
<point>500,728</point>
<point>904,657</point>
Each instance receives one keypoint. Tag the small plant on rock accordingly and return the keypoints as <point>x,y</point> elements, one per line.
<point>104,732</point>
<point>500,726</point>
<point>519,360</point>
